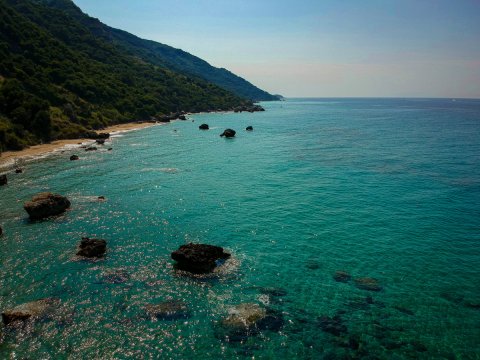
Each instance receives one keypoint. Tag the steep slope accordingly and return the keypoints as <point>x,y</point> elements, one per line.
<point>159,54</point>
<point>60,81</point>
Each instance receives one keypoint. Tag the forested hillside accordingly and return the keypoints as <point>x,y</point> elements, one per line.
<point>60,79</point>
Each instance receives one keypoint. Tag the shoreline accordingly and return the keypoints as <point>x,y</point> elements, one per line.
<point>9,159</point>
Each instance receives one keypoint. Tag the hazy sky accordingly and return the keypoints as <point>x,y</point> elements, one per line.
<point>404,48</point>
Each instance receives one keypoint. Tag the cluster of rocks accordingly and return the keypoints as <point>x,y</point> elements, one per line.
<point>363,283</point>
<point>248,108</point>
<point>169,117</point>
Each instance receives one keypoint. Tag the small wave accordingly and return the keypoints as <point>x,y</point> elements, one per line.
<point>164,170</point>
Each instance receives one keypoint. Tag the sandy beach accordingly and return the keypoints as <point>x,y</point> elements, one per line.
<point>9,158</point>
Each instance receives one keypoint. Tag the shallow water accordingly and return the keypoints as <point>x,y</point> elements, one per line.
<point>381,188</point>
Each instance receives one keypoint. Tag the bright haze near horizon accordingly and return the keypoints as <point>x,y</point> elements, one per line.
<point>316,48</point>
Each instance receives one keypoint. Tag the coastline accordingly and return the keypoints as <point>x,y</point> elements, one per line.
<point>8,159</point>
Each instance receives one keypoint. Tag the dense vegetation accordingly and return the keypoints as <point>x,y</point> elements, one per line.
<point>60,77</point>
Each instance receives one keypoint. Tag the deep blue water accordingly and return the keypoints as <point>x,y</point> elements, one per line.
<point>381,188</point>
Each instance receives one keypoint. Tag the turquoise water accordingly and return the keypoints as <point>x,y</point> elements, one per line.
<point>381,188</point>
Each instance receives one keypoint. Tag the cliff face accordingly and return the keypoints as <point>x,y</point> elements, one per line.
<point>63,73</point>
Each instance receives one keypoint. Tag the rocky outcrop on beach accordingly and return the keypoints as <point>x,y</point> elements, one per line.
<point>203,127</point>
<point>3,180</point>
<point>74,157</point>
<point>46,204</point>
<point>100,141</point>
<point>228,133</point>
<point>198,258</point>
<point>248,108</point>
<point>29,311</point>
<point>92,248</point>
<point>168,310</point>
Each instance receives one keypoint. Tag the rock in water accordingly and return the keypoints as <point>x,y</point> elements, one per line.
<point>249,128</point>
<point>367,283</point>
<point>198,258</point>
<point>342,276</point>
<point>203,127</point>
<point>74,157</point>
<point>1,231</point>
<point>30,310</point>
<point>100,141</point>
<point>91,148</point>
<point>18,171</point>
<point>182,117</point>
<point>3,180</point>
<point>244,316</point>
<point>168,310</point>
<point>92,248</point>
<point>228,133</point>
<point>333,325</point>
<point>102,136</point>
<point>46,204</point>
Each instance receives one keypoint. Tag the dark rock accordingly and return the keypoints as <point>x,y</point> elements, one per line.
<point>182,117</point>
<point>102,136</point>
<point>18,171</point>
<point>1,231</point>
<point>168,310</point>
<point>74,157</point>
<point>91,248</point>
<point>392,344</point>
<point>198,258</point>
<point>100,141</point>
<point>418,346</point>
<point>333,325</point>
<point>312,265</point>
<point>110,149</point>
<point>249,128</point>
<point>46,204</point>
<point>203,127</point>
<point>342,276</point>
<point>101,198</point>
<point>369,300</point>
<point>29,311</point>
<point>367,283</point>
<point>469,304</point>
<point>277,292</point>
<point>228,133</point>
<point>404,310</point>
<point>3,180</point>
<point>91,148</point>
<point>116,277</point>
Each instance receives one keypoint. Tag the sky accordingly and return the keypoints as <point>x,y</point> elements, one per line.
<point>319,48</point>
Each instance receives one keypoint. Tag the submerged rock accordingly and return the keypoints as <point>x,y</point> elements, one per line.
<point>91,148</point>
<point>333,325</point>
<point>228,133</point>
<point>246,320</point>
<point>168,310</point>
<point>249,128</point>
<point>92,248</point>
<point>1,231</point>
<point>46,204</point>
<point>29,311</point>
<point>3,180</point>
<point>367,283</point>
<point>118,276</point>
<point>342,276</point>
<point>74,157</point>
<point>276,292</point>
<point>203,127</point>
<point>198,258</point>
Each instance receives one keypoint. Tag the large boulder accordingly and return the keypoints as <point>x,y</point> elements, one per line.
<point>102,136</point>
<point>3,180</point>
<point>203,127</point>
<point>46,204</point>
<point>29,311</point>
<point>228,133</point>
<point>92,248</point>
<point>198,258</point>
<point>168,310</point>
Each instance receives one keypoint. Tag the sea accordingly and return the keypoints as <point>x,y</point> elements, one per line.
<point>354,224</point>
